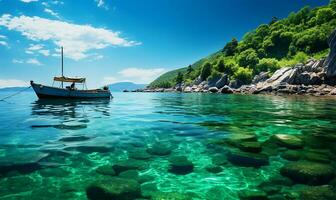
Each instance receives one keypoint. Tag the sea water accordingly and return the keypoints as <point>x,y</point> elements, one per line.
<point>66,141</point>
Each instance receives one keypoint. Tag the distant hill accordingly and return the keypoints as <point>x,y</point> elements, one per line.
<point>14,89</point>
<point>126,86</point>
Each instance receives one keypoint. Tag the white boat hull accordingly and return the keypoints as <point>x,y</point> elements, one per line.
<point>43,91</point>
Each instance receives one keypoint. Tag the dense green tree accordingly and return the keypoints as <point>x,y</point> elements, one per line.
<point>273,20</point>
<point>248,57</point>
<point>332,4</point>
<point>324,15</point>
<point>179,78</point>
<point>243,74</point>
<point>231,47</point>
<point>267,65</point>
<point>206,71</point>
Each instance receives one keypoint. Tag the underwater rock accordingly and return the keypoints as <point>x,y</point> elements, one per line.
<point>129,164</point>
<point>252,195</point>
<point>213,169</point>
<point>159,149</point>
<point>106,170</point>
<point>148,189</point>
<point>316,157</point>
<point>54,172</point>
<point>310,173</point>
<point>170,196</point>
<point>325,192</point>
<point>131,174</point>
<point>15,185</point>
<point>291,155</point>
<point>74,138</point>
<point>23,161</point>
<point>114,188</point>
<point>180,165</point>
<point>269,188</point>
<point>238,138</point>
<point>253,147</point>
<point>145,178</point>
<point>90,148</point>
<point>139,155</point>
<point>289,141</point>
<point>247,159</point>
<point>219,159</point>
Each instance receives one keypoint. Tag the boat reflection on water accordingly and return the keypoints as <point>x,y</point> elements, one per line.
<point>69,111</point>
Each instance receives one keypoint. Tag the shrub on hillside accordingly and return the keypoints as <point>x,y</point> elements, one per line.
<point>206,71</point>
<point>267,64</point>
<point>243,74</point>
<point>248,57</point>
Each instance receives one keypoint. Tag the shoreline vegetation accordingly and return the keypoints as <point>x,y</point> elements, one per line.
<point>285,56</point>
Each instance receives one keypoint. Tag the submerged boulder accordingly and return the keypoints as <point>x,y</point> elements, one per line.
<point>325,192</point>
<point>139,155</point>
<point>180,165</point>
<point>24,161</point>
<point>252,195</point>
<point>254,147</point>
<point>247,159</point>
<point>159,149</point>
<point>129,164</point>
<point>106,170</point>
<point>114,188</point>
<point>310,173</point>
<point>289,141</point>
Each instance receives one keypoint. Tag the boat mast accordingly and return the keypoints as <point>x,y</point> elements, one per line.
<point>62,63</point>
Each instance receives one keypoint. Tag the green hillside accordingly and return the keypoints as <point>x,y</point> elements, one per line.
<point>279,43</point>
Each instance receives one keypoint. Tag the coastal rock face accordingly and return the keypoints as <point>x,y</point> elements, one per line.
<point>263,76</point>
<point>330,62</point>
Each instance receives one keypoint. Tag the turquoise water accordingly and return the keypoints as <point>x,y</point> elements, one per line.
<point>48,135</point>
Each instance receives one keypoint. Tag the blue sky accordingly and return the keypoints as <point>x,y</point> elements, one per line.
<point>122,40</point>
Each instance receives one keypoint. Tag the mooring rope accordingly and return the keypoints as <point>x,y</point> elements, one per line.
<point>16,93</point>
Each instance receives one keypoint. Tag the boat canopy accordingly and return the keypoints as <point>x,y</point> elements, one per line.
<point>69,79</point>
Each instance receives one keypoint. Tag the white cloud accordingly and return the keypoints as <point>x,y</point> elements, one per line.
<point>3,43</point>
<point>37,48</point>
<point>3,37</point>
<point>17,61</point>
<point>33,61</point>
<point>12,83</point>
<point>28,1</point>
<point>77,40</point>
<point>101,4</point>
<point>49,11</point>
<point>136,75</point>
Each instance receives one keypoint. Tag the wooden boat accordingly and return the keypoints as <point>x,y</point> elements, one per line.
<point>69,92</point>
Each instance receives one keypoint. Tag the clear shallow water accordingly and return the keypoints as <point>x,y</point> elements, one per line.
<point>188,123</point>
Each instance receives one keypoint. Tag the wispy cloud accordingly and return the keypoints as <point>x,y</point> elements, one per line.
<point>136,75</point>
<point>49,11</point>
<point>101,4</point>
<point>32,61</point>
<point>12,83</point>
<point>3,43</point>
<point>77,40</point>
<point>37,48</point>
<point>28,1</point>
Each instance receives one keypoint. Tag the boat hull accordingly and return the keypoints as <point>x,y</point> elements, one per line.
<point>47,92</point>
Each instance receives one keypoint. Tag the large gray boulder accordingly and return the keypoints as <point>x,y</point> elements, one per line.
<point>222,81</point>
<point>262,76</point>
<point>330,62</point>
<point>212,82</point>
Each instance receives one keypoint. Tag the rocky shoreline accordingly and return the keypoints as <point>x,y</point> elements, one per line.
<point>315,77</point>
